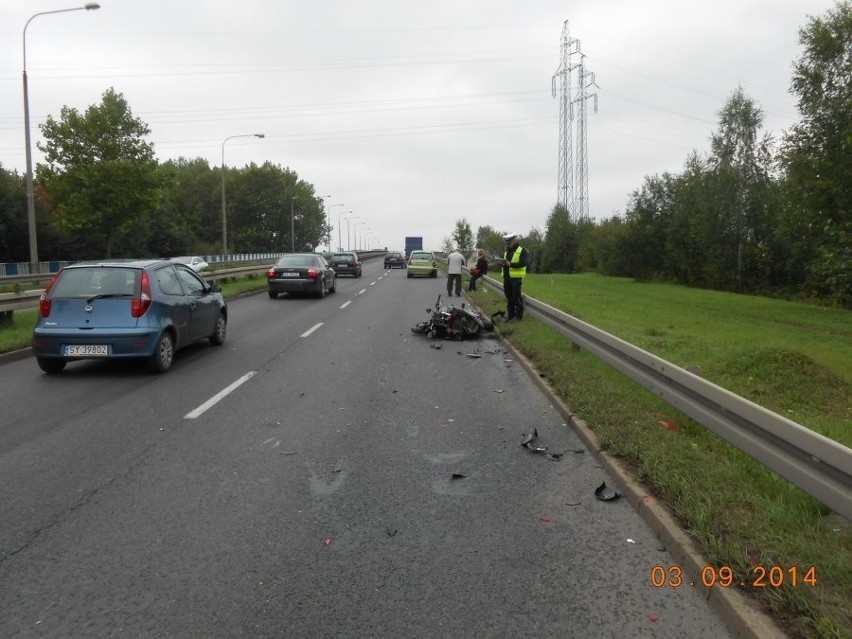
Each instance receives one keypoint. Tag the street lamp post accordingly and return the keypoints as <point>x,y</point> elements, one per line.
<point>339,229</point>
<point>328,237</point>
<point>31,221</point>
<point>224,214</point>
<point>348,241</point>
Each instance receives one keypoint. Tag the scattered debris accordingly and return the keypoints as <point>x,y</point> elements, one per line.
<point>573,503</point>
<point>326,542</point>
<point>604,493</point>
<point>669,425</point>
<point>554,456</point>
<point>288,452</point>
<point>436,346</point>
<point>475,355</point>
<point>391,533</point>
<point>653,617</point>
<point>630,541</point>
<point>546,520</point>
<point>499,390</point>
<point>530,442</point>
<point>458,476</point>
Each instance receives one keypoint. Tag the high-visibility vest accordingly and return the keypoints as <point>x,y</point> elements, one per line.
<point>514,269</point>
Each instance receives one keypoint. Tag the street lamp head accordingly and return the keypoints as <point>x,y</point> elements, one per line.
<point>91,6</point>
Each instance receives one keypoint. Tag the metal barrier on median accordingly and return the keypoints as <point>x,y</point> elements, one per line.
<point>818,465</point>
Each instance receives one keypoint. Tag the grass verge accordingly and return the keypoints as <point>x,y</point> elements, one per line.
<point>791,358</point>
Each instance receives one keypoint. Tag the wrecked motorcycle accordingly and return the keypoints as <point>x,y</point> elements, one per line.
<point>452,322</point>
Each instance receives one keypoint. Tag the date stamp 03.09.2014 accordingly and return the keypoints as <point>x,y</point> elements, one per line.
<point>725,577</point>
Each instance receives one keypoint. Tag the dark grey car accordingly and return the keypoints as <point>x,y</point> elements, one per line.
<point>301,273</point>
<point>346,263</point>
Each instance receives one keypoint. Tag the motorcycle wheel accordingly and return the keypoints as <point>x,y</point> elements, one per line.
<point>469,327</point>
<point>420,328</point>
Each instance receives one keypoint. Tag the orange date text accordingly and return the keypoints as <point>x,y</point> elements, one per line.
<point>725,577</point>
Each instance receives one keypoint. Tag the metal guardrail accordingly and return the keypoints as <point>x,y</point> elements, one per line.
<point>818,465</point>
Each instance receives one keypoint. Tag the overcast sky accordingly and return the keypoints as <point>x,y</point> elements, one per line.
<point>410,114</point>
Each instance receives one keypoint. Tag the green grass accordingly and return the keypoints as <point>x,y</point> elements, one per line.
<point>792,358</point>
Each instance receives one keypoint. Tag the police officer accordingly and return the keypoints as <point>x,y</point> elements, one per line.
<point>515,261</point>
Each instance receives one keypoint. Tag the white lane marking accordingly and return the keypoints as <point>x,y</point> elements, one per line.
<point>362,291</point>
<point>311,330</point>
<point>219,396</point>
<point>345,304</point>
<point>372,283</point>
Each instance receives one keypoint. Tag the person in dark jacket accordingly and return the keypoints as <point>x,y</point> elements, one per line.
<point>515,262</point>
<point>481,269</point>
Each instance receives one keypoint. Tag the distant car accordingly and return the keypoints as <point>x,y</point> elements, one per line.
<point>195,262</point>
<point>301,273</point>
<point>422,263</point>
<point>117,310</point>
<point>394,259</point>
<point>346,264</point>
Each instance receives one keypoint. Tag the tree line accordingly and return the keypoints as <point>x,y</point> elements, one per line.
<point>753,215</point>
<point>101,193</point>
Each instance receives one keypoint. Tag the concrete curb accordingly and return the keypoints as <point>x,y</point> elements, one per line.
<point>741,615</point>
<point>15,356</point>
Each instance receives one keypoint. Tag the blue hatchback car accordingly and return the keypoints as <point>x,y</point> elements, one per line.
<point>115,310</point>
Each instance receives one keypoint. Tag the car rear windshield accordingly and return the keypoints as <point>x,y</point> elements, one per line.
<point>415,255</point>
<point>343,256</point>
<point>297,260</point>
<point>98,280</point>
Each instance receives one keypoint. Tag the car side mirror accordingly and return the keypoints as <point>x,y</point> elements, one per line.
<point>215,288</point>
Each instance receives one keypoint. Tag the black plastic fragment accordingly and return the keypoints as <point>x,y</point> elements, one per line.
<point>604,493</point>
<point>458,476</point>
<point>530,442</point>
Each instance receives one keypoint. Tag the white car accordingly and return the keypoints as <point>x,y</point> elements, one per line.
<point>195,262</point>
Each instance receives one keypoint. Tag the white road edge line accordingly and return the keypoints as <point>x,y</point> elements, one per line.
<point>219,396</point>
<point>311,330</point>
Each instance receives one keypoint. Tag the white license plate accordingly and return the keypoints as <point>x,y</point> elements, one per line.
<point>86,350</point>
<point>289,275</point>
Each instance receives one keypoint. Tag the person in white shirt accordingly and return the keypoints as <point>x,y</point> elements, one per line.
<point>455,261</point>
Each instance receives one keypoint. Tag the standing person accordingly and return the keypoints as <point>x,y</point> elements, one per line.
<point>455,261</point>
<point>515,262</point>
<point>479,270</point>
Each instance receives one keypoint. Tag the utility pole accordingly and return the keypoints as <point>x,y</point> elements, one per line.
<point>565,159</point>
<point>584,81</point>
<point>572,187</point>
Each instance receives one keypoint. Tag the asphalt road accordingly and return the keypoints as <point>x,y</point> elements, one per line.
<point>354,482</point>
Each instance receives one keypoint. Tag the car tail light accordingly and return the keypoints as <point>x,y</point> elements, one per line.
<point>270,273</point>
<point>313,273</point>
<point>43,301</point>
<point>139,305</point>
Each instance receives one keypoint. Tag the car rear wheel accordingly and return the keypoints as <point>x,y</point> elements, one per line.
<point>219,331</point>
<point>323,289</point>
<point>433,274</point>
<point>164,353</point>
<point>333,286</point>
<point>51,365</point>
<point>272,294</point>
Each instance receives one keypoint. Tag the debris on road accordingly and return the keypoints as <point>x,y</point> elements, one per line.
<point>530,442</point>
<point>604,493</point>
<point>668,425</point>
